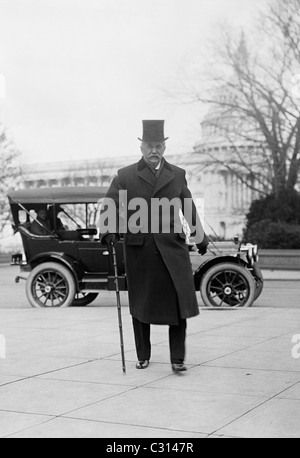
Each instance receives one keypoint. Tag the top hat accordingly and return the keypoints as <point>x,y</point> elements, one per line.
<point>153,131</point>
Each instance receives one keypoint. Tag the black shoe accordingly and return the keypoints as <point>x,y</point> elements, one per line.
<point>142,364</point>
<point>179,368</point>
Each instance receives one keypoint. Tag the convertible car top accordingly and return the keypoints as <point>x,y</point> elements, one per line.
<point>64,195</point>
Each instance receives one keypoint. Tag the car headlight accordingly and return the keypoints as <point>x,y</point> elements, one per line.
<point>255,253</point>
<point>250,255</point>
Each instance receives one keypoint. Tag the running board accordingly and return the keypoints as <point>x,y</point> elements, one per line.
<point>100,284</point>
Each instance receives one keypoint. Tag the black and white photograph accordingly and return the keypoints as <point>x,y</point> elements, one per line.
<point>149,221</point>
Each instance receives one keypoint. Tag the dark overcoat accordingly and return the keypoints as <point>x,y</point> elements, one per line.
<point>158,267</point>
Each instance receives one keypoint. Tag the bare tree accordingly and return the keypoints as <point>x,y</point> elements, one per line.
<point>254,101</point>
<point>9,174</point>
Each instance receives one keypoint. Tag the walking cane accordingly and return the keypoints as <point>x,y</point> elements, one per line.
<point>114,253</point>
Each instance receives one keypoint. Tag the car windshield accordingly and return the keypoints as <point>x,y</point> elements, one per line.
<point>78,216</point>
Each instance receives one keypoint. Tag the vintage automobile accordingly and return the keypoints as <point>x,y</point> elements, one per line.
<point>67,265</point>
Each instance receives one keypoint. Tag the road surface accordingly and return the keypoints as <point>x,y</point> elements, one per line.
<point>277,293</point>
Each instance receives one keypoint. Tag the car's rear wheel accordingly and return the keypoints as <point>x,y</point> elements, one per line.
<point>228,285</point>
<point>50,285</point>
<point>84,299</point>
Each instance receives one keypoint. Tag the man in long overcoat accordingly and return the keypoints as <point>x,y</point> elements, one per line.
<point>158,267</point>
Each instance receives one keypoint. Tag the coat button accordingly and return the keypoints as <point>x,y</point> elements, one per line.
<point>156,253</point>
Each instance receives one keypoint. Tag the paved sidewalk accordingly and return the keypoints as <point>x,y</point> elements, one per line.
<point>62,376</point>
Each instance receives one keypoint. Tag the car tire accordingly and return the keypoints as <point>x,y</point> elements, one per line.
<point>258,277</point>
<point>86,299</point>
<point>50,285</point>
<point>228,285</point>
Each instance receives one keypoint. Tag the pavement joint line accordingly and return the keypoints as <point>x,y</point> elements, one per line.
<point>192,366</point>
<point>121,384</point>
<point>204,331</point>
<point>132,388</point>
<point>210,392</point>
<point>73,410</point>
<point>237,351</point>
<point>66,415</point>
<point>258,406</point>
<point>248,348</point>
<point>137,426</point>
<point>92,383</point>
<point>30,427</point>
<point>40,375</point>
<point>48,372</point>
<point>156,344</point>
<point>15,381</point>
<point>100,421</point>
<point>51,418</point>
<point>231,324</point>
<point>220,436</point>
<point>260,369</point>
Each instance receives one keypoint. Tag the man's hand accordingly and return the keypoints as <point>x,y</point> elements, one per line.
<point>202,247</point>
<point>110,239</point>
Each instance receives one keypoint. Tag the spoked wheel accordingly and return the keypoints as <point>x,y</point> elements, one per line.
<point>228,285</point>
<point>83,299</point>
<point>50,285</point>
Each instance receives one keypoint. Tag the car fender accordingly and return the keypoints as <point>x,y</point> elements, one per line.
<point>61,258</point>
<point>198,275</point>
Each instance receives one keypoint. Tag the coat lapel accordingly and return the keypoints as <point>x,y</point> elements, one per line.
<point>164,178</point>
<point>145,173</point>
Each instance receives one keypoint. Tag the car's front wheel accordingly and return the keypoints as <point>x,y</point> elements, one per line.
<point>84,299</point>
<point>50,285</point>
<point>259,280</point>
<point>228,285</point>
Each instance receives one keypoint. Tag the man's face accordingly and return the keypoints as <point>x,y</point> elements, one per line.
<point>43,215</point>
<point>153,152</point>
